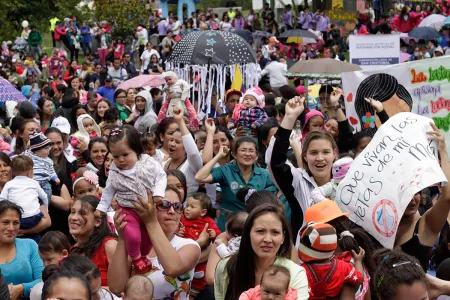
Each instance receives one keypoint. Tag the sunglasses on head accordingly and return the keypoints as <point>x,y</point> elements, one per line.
<point>165,205</point>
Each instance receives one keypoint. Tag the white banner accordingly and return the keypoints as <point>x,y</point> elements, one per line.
<point>373,51</point>
<point>398,162</point>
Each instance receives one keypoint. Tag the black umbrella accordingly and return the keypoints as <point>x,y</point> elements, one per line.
<point>244,33</point>
<point>424,33</point>
<point>260,34</point>
<point>298,33</point>
<point>212,48</point>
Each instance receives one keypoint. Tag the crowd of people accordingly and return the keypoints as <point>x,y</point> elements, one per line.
<point>108,192</point>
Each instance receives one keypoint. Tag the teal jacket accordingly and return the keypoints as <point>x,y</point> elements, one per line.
<point>230,179</point>
<point>34,38</point>
<point>78,38</point>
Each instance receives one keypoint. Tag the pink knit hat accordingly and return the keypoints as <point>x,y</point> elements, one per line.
<point>255,92</point>
<point>313,113</point>
<point>341,166</point>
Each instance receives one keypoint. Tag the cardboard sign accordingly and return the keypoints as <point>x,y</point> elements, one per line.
<point>373,51</point>
<point>398,162</point>
<point>421,87</point>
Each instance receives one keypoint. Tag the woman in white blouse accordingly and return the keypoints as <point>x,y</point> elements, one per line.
<point>146,55</point>
<point>225,25</point>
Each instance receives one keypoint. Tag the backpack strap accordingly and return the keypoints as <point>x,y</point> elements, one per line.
<point>331,271</point>
<point>312,272</point>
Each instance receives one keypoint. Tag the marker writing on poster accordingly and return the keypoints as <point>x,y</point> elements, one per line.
<point>418,78</point>
<point>390,147</point>
<point>439,74</point>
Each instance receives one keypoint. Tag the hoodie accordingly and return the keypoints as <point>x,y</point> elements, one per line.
<point>65,110</point>
<point>34,38</point>
<point>148,117</point>
<point>25,90</point>
<point>82,133</point>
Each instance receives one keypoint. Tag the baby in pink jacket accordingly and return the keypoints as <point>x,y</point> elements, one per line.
<point>274,285</point>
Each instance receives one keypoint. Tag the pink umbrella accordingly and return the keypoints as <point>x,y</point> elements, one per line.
<point>142,81</point>
<point>404,56</point>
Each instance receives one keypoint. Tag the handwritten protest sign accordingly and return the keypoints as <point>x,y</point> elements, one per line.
<point>398,162</point>
<point>422,87</point>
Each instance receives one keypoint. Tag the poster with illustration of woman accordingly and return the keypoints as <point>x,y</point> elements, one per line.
<point>386,89</point>
<point>421,87</point>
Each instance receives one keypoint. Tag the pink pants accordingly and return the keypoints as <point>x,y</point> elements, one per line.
<point>136,236</point>
<point>102,53</point>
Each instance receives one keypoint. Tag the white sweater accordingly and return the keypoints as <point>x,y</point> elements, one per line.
<point>26,193</point>
<point>275,70</point>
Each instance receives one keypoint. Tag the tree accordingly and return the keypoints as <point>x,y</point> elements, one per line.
<point>38,12</point>
<point>123,15</point>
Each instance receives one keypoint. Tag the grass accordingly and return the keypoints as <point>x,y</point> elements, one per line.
<point>47,47</point>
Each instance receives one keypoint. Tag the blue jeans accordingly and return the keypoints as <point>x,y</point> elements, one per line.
<point>46,186</point>
<point>35,50</point>
<point>85,47</point>
<point>30,222</point>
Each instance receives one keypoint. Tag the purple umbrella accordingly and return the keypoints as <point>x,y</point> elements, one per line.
<point>404,56</point>
<point>9,93</point>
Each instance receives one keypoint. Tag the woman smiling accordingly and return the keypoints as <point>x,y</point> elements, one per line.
<point>93,235</point>
<point>19,258</point>
<point>234,176</point>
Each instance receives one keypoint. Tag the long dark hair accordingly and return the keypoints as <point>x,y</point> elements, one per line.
<point>102,172</point>
<point>20,145</point>
<point>8,205</point>
<point>394,268</point>
<point>97,139</point>
<point>73,114</point>
<point>97,118</point>
<point>48,285</point>
<point>441,252</point>
<point>89,204</point>
<point>80,264</point>
<point>60,162</point>
<point>5,158</point>
<point>41,104</point>
<point>182,178</point>
<point>241,266</point>
<point>381,87</point>
<point>161,128</point>
<point>263,133</point>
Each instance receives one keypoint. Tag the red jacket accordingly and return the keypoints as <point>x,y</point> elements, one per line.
<point>59,30</point>
<point>193,228</point>
<point>334,274</point>
<point>412,22</point>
